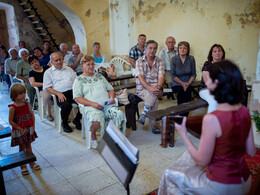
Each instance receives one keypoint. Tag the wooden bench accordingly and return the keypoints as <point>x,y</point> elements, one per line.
<point>11,161</point>
<point>6,132</point>
<point>122,77</point>
<point>177,109</point>
<point>126,86</point>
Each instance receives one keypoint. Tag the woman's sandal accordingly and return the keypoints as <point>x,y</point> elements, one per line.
<point>24,170</point>
<point>35,166</point>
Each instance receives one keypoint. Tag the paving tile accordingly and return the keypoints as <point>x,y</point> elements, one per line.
<point>74,167</point>
<point>92,181</point>
<point>15,187</point>
<point>37,180</point>
<point>144,183</point>
<point>63,188</point>
<point>117,188</point>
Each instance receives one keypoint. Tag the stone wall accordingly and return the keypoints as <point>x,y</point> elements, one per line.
<point>54,20</point>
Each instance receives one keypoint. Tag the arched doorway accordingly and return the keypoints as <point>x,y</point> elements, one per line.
<point>75,22</point>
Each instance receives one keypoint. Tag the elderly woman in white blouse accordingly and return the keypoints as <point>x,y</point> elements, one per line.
<point>90,89</point>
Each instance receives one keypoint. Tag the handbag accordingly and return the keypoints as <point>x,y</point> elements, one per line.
<point>122,96</point>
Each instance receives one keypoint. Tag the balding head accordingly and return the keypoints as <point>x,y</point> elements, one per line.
<point>170,42</point>
<point>75,49</point>
<point>57,60</point>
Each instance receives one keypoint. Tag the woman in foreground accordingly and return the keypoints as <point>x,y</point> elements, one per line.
<point>218,165</point>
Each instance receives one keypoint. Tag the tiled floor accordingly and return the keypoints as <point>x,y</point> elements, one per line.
<point>69,168</point>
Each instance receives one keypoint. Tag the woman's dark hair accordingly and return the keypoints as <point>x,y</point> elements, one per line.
<point>3,47</point>
<point>186,44</point>
<point>31,58</point>
<point>230,84</point>
<point>210,58</point>
<point>38,49</point>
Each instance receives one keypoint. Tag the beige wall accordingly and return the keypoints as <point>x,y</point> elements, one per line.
<point>94,15</point>
<point>234,24</point>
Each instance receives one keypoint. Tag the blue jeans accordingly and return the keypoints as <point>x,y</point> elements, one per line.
<point>6,79</point>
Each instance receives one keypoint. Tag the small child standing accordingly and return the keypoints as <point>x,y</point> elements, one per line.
<point>22,119</point>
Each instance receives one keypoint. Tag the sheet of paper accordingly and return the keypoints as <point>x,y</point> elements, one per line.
<point>130,150</point>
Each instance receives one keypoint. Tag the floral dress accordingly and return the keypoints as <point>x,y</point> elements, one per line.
<point>95,88</point>
<point>24,119</point>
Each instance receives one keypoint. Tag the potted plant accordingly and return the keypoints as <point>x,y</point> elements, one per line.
<point>256,118</point>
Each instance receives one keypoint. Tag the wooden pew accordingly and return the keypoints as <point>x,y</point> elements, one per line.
<point>126,86</point>
<point>6,132</point>
<point>177,109</point>
<point>11,161</point>
<point>122,77</point>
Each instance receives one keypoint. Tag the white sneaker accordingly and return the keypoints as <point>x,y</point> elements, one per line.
<point>94,144</point>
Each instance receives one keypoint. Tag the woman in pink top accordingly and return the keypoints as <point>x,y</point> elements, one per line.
<point>217,165</point>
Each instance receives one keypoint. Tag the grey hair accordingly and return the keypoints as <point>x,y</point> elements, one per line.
<point>58,52</point>
<point>11,49</point>
<point>63,44</point>
<point>21,50</point>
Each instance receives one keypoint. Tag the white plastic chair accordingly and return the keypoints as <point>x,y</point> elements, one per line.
<point>85,124</point>
<point>57,114</point>
<point>119,66</point>
<point>23,83</point>
<point>40,103</point>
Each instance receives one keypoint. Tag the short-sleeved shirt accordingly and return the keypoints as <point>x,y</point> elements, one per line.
<point>167,56</point>
<point>151,75</point>
<point>184,71</point>
<point>23,68</point>
<point>67,56</point>
<point>94,88</point>
<point>204,68</point>
<point>38,76</point>
<point>136,53</point>
<point>45,60</point>
<point>72,60</point>
<point>59,79</point>
<point>10,64</point>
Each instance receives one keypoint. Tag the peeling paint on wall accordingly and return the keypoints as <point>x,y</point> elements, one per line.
<point>150,11</point>
<point>132,20</point>
<point>105,15</point>
<point>250,17</point>
<point>114,6</point>
<point>88,13</point>
<point>228,19</point>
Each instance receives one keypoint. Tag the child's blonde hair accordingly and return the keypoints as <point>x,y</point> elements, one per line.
<point>16,89</point>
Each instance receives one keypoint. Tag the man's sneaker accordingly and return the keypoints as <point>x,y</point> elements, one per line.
<point>66,127</point>
<point>77,123</point>
<point>94,144</point>
<point>141,119</point>
<point>156,131</point>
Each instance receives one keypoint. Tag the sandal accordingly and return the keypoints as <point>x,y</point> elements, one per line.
<point>24,170</point>
<point>35,166</point>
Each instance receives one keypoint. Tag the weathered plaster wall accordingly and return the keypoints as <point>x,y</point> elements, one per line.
<point>95,18</point>
<point>234,24</point>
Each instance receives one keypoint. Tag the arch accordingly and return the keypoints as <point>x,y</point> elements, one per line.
<point>75,22</point>
<point>12,26</point>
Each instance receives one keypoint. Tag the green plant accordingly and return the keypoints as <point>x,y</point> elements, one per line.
<point>256,118</point>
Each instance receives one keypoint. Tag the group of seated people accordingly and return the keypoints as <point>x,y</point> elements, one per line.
<point>174,68</point>
<point>226,129</point>
<point>74,80</point>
